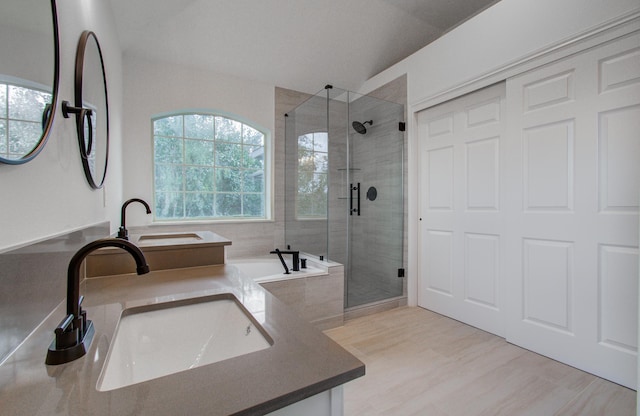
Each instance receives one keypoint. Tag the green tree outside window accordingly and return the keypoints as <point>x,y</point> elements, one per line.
<point>313,168</point>
<point>208,166</point>
<point>21,111</point>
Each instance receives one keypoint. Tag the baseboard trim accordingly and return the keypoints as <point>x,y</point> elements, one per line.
<point>374,307</point>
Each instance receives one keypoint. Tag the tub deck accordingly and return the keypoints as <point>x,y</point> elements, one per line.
<point>315,293</point>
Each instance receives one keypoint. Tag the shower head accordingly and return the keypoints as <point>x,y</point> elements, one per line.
<point>360,127</point>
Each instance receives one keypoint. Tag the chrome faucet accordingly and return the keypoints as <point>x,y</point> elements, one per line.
<point>296,259</point>
<point>74,333</point>
<point>122,231</point>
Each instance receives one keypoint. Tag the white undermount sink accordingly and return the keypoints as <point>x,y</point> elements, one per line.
<point>157,340</point>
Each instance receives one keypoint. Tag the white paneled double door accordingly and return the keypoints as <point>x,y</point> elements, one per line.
<point>558,262</point>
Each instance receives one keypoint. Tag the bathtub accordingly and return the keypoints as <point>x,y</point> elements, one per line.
<point>316,293</point>
<point>269,269</point>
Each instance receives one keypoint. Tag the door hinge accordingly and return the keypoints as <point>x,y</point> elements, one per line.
<point>402,126</point>
<point>400,272</point>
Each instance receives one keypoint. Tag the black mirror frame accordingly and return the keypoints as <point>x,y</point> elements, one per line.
<point>49,111</point>
<point>84,113</point>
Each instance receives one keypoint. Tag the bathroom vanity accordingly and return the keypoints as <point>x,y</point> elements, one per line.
<point>168,250</point>
<point>300,372</point>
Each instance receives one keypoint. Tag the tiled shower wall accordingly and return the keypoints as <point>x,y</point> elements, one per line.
<point>34,282</point>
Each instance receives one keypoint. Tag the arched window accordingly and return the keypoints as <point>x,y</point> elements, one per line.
<point>208,166</point>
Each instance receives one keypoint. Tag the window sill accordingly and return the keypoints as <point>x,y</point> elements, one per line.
<point>160,223</point>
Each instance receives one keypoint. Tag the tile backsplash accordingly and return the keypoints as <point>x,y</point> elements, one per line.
<point>34,281</point>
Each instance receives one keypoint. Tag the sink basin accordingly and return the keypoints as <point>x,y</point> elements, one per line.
<point>175,238</point>
<point>157,340</point>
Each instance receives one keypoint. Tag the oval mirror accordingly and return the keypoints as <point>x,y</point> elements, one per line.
<point>28,77</point>
<point>93,120</point>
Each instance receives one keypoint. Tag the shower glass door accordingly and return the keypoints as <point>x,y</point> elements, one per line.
<point>375,218</point>
<point>306,177</point>
<point>344,189</point>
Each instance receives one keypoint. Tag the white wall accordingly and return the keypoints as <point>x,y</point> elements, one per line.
<point>500,35</point>
<point>153,88</point>
<point>49,195</point>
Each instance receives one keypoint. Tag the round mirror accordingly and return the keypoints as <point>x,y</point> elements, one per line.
<point>28,77</point>
<point>93,117</point>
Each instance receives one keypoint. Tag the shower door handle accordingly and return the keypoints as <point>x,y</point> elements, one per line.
<point>358,198</point>
<point>351,208</point>
<point>350,199</point>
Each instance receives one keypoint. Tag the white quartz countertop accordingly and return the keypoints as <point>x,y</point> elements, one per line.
<point>301,362</point>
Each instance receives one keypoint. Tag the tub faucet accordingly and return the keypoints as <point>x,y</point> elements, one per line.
<point>122,231</point>
<point>75,333</point>
<point>296,259</point>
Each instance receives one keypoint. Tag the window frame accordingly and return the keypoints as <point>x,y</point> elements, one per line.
<point>11,81</point>
<point>298,216</point>
<point>267,169</point>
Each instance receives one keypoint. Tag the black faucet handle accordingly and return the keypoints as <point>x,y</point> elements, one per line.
<point>66,335</point>
<point>123,233</point>
<point>64,325</point>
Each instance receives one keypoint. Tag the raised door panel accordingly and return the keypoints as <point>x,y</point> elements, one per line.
<point>482,113</point>
<point>482,269</point>
<point>440,178</point>
<point>439,245</point>
<point>619,71</point>
<point>617,303</point>
<point>548,280</point>
<point>549,91</point>
<point>548,166</point>
<point>619,156</point>
<point>483,174</point>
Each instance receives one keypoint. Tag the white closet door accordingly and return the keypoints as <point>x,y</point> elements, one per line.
<point>573,180</point>
<point>461,242</point>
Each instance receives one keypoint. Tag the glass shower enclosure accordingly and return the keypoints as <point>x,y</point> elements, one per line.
<point>344,189</point>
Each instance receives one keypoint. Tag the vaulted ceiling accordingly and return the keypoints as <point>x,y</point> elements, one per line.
<point>297,44</point>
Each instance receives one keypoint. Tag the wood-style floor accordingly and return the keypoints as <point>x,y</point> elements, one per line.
<point>421,363</point>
